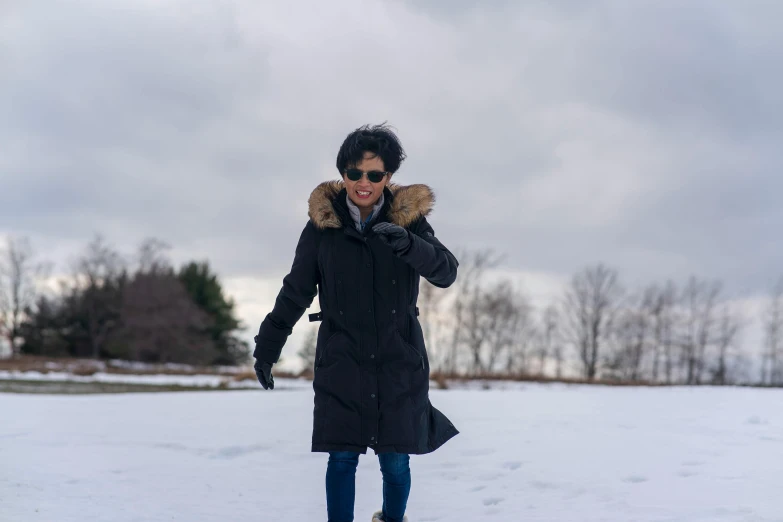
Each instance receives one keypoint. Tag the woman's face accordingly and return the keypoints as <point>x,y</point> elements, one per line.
<point>364,193</point>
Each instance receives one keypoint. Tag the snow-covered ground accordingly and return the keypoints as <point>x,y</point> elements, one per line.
<point>204,381</point>
<point>551,453</point>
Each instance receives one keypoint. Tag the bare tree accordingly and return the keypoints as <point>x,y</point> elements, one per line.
<point>699,301</point>
<point>553,335</point>
<point>589,309</point>
<point>478,327</point>
<point>152,257</point>
<point>431,299</point>
<point>729,324</point>
<point>19,272</point>
<point>772,358</point>
<point>469,328</point>
<point>307,351</point>
<point>160,323</point>
<point>631,334</point>
<point>496,312</point>
<point>548,341</point>
<point>98,271</point>
<point>663,319</point>
<point>516,329</point>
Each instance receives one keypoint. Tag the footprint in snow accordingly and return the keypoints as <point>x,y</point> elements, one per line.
<point>575,493</point>
<point>635,479</point>
<point>478,488</point>
<point>171,446</point>
<point>233,452</point>
<point>686,474</point>
<point>490,476</point>
<point>540,484</point>
<point>493,501</point>
<point>512,465</point>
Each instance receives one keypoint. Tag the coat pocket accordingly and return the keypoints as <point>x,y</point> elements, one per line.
<point>412,348</point>
<point>325,348</point>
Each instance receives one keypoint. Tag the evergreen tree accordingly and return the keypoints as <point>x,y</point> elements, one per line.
<point>206,291</point>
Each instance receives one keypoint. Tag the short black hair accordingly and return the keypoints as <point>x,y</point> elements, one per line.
<point>377,139</point>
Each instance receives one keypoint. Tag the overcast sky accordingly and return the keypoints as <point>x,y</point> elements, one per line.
<point>644,134</point>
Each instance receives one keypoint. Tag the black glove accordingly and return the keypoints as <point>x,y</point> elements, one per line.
<point>398,239</point>
<point>264,374</point>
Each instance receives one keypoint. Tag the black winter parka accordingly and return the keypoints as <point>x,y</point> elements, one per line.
<point>371,378</point>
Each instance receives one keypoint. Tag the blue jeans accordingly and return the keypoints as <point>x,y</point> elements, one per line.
<point>341,485</point>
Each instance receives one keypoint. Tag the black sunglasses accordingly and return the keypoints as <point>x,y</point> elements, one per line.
<point>375,176</point>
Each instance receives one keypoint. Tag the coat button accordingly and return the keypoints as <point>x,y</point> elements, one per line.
<point>370,310</point>
<point>372,438</point>
<point>394,281</point>
<point>372,356</point>
<point>373,395</point>
<point>341,312</point>
<point>394,311</point>
<point>368,265</point>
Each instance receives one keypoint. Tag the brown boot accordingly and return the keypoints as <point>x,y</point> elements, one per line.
<point>378,517</point>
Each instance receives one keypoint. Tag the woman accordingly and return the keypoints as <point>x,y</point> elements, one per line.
<point>364,248</point>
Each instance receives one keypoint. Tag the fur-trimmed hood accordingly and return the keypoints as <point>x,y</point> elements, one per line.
<point>408,203</point>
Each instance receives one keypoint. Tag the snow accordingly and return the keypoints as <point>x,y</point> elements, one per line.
<point>205,381</point>
<point>554,453</point>
<point>140,366</point>
<point>157,379</point>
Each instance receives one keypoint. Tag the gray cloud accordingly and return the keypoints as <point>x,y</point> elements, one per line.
<point>641,134</point>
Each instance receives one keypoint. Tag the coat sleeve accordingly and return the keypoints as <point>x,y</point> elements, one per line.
<point>429,257</point>
<point>297,294</point>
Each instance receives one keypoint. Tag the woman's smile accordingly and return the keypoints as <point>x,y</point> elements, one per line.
<point>364,193</point>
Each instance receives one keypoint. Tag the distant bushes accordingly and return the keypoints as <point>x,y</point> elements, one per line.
<point>106,310</point>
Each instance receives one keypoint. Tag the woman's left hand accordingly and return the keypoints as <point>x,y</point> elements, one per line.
<point>393,235</point>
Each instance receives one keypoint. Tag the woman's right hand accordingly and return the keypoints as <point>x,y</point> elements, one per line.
<point>264,374</point>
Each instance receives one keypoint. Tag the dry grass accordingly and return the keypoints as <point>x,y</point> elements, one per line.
<point>84,371</point>
<point>245,376</point>
<point>442,379</point>
<point>25,363</point>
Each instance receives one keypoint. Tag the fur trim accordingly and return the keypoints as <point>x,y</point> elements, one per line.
<point>376,517</point>
<point>321,211</point>
<point>409,204</point>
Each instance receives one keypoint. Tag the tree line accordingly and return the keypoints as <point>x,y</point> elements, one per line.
<point>669,333</point>
<point>137,308</point>
<point>140,308</point>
